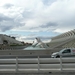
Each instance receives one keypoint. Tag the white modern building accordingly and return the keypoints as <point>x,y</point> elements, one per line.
<point>5,39</point>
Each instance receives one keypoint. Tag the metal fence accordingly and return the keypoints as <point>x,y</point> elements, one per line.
<point>35,64</point>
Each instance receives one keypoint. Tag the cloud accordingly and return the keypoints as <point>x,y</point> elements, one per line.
<point>50,24</point>
<point>48,2</point>
<point>37,15</point>
<point>31,38</point>
<point>7,23</point>
<point>8,6</point>
<point>58,13</point>
<point>3,17</point>
<point>10,18</point>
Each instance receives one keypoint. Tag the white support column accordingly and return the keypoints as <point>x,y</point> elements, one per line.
<point>16,63</point>
<point>61,62</point>
<point>38,64</point>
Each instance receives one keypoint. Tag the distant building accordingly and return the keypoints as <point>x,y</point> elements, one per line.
<point>4,39</point>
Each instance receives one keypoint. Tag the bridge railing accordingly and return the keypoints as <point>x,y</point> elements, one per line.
<point>36,64</point>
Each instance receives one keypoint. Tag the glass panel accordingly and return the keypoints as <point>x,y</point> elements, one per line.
<point>67,51</point>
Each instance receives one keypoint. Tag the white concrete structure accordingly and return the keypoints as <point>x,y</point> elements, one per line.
<point>24,64</point>
<point>9,40</point>
<point>65,40</point>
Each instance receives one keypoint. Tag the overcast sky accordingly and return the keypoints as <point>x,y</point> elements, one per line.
<point>27,19</point>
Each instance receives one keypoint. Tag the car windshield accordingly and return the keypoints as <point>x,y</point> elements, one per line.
<point>65,51</point>
<point>62,50</point>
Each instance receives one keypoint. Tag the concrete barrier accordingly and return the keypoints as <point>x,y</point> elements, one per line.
<point>56,73</point>
<point>35,64</point>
